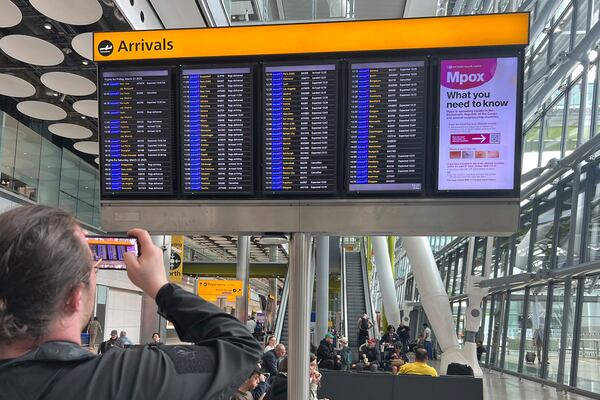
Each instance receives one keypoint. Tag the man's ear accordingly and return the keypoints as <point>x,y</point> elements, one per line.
<point>74,300</point>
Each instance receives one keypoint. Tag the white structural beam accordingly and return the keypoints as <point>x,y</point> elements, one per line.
<point>322,287</point>
<point>386,280</point>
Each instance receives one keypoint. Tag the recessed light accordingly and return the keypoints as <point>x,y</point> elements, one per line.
<point>85,62</point>
<point>48,26</point>
<point>83,117</point>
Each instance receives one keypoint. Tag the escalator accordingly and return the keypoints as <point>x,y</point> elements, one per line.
<point>283,337</point>
<point>355,293</point>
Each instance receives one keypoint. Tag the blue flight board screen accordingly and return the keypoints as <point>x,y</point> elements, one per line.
<point>137,132</point>
<point>386,127</point>
<point>300,116</point>
<point>217,130</point>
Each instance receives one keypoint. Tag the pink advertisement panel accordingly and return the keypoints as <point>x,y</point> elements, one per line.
<point>478,111</point>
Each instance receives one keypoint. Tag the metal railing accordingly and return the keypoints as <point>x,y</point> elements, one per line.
<point>282,307</point>
<point>344,293</point>
<point>367,292</point>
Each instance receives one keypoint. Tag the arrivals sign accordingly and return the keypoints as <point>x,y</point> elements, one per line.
<point>477,131</point>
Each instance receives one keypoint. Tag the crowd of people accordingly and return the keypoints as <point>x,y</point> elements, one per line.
<point>116,339</point>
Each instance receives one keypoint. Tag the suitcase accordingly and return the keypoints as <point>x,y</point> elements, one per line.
<point>459,369</point>
<point>530,357</point>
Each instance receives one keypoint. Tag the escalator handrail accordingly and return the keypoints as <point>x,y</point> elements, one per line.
<point>344,294</point>
<point>282,308</point>
<point>370,308</point>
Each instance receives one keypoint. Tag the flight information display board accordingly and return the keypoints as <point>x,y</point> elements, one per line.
<point>300,129</point>
<point>136,132</point>
<point>217,130</point>
<point>386,127</point>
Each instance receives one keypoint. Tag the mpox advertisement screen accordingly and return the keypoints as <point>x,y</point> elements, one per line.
<point>477,124</point>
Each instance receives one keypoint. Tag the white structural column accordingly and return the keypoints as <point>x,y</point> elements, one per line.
<point>299,316</point>
<point>322,287</point>
<point>434,299</point>
<point>386,280</point>
<point>242,273</point>
<point>150,320</point>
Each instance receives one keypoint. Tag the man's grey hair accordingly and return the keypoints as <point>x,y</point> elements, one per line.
<point>41,261</point>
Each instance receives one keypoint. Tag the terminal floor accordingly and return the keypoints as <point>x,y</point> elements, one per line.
<point>498,386</point>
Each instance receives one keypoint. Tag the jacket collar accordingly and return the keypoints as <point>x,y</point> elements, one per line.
<point>54,351</point>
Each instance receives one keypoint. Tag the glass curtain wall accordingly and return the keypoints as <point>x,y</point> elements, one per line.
<point>34,168</point>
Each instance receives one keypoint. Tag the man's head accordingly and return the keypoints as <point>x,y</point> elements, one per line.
<point>420,355</point>
<point>313,366</point>
<point>372,342</point>
<point>391,329</point>
<point>329,338</point>
<point>344,341</point>
<point>252,381</point>
<point>365,316</point>
<point>156,337</point>
<point>47,282</point>
<point>279,350</point>
<point>95,318</point>
<point>123,334</point>
<point>114,334</point>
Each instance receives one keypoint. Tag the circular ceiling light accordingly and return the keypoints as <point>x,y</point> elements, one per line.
<point>70,131</point>
<point>87,147</point>
<point>73,12</point>
<point>83,44</point>
<point>68,83</point>
<point>97,160</point>
<point>10,15</point>
<point>87,107</point>
<point>15,87</point>
<point>41,110</point>
<point>31,50</point>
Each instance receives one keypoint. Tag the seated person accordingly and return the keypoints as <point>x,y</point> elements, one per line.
<point>244,392</point>
<point>419,367</point>
<point>326,357</point>
<point>278,387</point>
<point>480,349</point>
<point>370,357</point>
<point>155,340</point>
<point>270,359</point>
<point>345,354</point>
<point>390,338</point>
<point>394,358</point>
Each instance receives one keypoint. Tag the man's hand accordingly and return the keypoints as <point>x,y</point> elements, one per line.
<point>146,271</point>
<point>262,378</point>
<point>315,377</point>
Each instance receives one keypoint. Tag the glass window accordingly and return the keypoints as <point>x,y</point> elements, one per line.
<point>544,235</point>
<point>557,319</point>
<point>540,58</point>
<point>595,12</point>
<point>588,368</point>
<point>513,330</point>
<point>455,314</point>
<point>589,103</point>
<point>561,36</point>
<point>521,244</point>
<point>564,225</point>
<point>553,127</point>
<point>497,328</point>
<point>67,203</point>
<point>534,332</point>
<point>8,149</point>
<point>69,174</point>
<point>593,241</point>
<point>460,331</point>
<point>581,24</point>
<point>86,185</point>
<point>503,256</point>
<point>49,174</point>
<point>573,117</point>
<point>531,148</point>
<point>27,162</point>
<point>478,256</point>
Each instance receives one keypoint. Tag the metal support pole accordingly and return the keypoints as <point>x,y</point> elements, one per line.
<point>150,320</point>
<point>322,279</point>
<point>299,317</point>
<point>574,207</point>
<point>564,332</point>
<point>243,273</point>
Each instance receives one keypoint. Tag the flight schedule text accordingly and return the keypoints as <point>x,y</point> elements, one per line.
<point>136,131</point>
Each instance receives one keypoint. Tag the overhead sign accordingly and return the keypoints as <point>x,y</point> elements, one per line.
<point>176,260</point>
<point>329,37</point>
<point>211,289</point>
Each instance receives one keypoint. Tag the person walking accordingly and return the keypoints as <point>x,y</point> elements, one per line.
<point>93,329</point>
<point>427,343</point>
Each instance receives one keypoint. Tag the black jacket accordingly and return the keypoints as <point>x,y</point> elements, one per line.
<point>391,338</point>
<point>107,345</point>
<point>325,351</point>
<point>278,388</point>
<point>223,356</point>
<point>373,354</point>
<point>269,360</point>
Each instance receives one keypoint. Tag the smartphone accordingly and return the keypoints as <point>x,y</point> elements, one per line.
<point>111,249</point>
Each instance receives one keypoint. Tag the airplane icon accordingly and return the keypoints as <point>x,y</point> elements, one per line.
<point>108,47</point>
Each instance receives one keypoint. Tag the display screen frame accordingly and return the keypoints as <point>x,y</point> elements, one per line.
<point>508,52</point>
<point>133,241</point>
<point>427,129</point>
<point>253,137</point>
<point>174,121</point>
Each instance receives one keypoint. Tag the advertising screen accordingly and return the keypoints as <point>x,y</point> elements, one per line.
<point>477,124</point>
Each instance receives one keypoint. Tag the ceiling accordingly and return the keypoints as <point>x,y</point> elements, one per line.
<point>71,80</point>
<point>224,248</point>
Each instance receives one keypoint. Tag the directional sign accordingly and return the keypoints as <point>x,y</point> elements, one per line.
<point>213,288</point>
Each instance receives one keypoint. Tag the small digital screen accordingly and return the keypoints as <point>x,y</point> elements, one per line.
<point>387,127</point>
<point>217,129</point>
<point>110,250</point>
<point>477,128</point>
<point>300,134</point>
<point>136,132</point>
